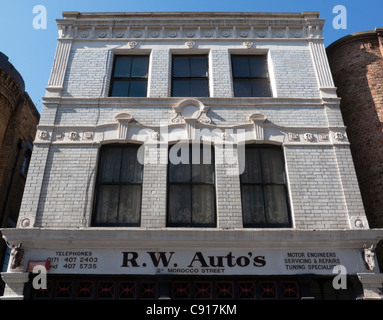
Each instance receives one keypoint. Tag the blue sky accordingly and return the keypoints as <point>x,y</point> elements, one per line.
<point>32,50</point>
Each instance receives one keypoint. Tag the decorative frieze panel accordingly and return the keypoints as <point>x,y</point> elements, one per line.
<point>198,32</point>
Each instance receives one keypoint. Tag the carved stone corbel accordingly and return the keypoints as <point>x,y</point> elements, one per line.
<point>123,120</point>
<point>258,119</point>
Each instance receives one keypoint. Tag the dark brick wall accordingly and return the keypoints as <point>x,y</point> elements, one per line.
<point>357,66</point>
<point>18,121</point>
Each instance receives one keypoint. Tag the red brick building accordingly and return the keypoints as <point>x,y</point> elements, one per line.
<point>18,121</point>
<point>356,62</point>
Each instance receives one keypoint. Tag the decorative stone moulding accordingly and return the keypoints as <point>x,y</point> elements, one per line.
<point>358,222</point>
<point>155,135</point>
<point>243,34</point>
<point>25,223</point>
<point>44,135</point>
<point>248,44</point>
<point>293,136</point>
<point>338,136</point>
<point>123,120</point>
<point>323,137</point>
<point>73,135</point>
<point>258,119</point>
<point>308,136</point>
<point>190,34</point>
<point>88,136</point>
<point>189,44</point>
<point>191,109</point>
<point>132,44</point>
<point>261,33</point>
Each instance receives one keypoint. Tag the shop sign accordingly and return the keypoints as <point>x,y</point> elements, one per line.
<point>204,262</point>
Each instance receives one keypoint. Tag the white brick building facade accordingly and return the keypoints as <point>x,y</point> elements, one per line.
<point>301,117</point>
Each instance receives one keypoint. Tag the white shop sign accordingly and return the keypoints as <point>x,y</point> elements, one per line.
<point>204,262</point>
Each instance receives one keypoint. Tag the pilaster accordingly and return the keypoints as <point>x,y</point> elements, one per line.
<point>372,285</point>
<point>14,285</point>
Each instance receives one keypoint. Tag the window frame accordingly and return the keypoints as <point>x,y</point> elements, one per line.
<point>262,184</point>
<point>130,79</point>
<point>191,78</point>
<point>98,184</point>
<point>251,79</point>
<point>191,183</point>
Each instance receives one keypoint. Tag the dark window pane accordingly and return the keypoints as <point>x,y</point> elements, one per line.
<point>179,173</point>
<point>202,164</point>
<point>179,163</point>
<point>130,204</point>
<point>253,205</point>
<point>203,205</point>
<point>276,205</point>
<point>130,76</point>
<point>181,66</point>
<point>137,89</point>
<point>261,88</point>
<point>140,67</point>
<point>120,88</point>
<point>190,76</point>
<point>240,65</point>
<point>199,88</point>
<point>258,66</point>
<point>250,76</point>
<point>131,169</point>
<point>181,88</point>
<point>263,187</point>
<point>198,67</point>
<point>118,198</point>
<point>122,67</point>
<point>179,204</point>
<point>272,166</point>
<point>242,88</point>
<point>107,204</point>
<point>252,172</point>
<point>110,165</point>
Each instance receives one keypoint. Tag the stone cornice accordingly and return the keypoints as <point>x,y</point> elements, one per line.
<point>184,238</point>
<point>171,101</point>
<point>194,25</point>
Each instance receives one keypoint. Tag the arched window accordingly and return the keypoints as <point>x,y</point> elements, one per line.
<point>118,187</point>
<point>264,188</point>
<point>191,186</point>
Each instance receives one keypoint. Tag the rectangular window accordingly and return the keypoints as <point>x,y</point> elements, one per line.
<point>130,76</point>
<point>250,76</point>
<point>118,187</point>
<point>190,76</point>
<point>191,187</point>
<point>263,188</point>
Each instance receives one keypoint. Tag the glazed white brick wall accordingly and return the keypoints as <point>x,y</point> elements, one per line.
<point>88,72</point>
<point>159,74</point>
<point>67,189</point>
<point>228,195</point>
<point>220,74</point>
<point>31,196</point>
<point>153,114</point>
<point>349,181</point>
<point>294,73</point>
<point>153,208</point>
<point>315,188</point>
